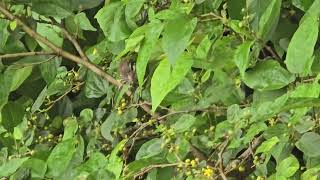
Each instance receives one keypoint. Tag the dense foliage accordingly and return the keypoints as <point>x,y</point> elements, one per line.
<point>159,89</point>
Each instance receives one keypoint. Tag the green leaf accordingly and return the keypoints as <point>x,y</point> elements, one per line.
<point>267,145</point>
<point>112,21</point>
<point>241,56</point>
<point>96,86</point>
<point>257,8</point>
<point>108,124</point>
<point>312,11</point>
<point>115,163</point>
<point>11,166</point>
<point>17,133</point>
<point>11,80</point>
<point>300,51</point>
<point>269,20</point>
<point>50,32</point>
<point>4,34</point>
<point>288,167</point>
<point>52,8</point>
<point>83,22</point>
<point>70,128</point>
<point>184,123</point>
<point>86,115</point>
<point>254,130</point>
<point>151,37</point>
<point>58,86</point>
<point>18,76</point>
<point>133,7</point>
<point>311,174</point>
<point>12,115</point>
<point>133,41</point>
<point>176,35</point>
<point>302,4</point>
<point>309,144</point>
<point>60,157</point>
<point>39,101</point>
<point>38,167</point>
<point>96,161</point>
<point>267,75</point>
<point>203,48</point>
<point>150,149</point>
<point>166,78</point>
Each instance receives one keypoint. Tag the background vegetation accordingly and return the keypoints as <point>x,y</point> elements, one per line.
<point>159,89</point>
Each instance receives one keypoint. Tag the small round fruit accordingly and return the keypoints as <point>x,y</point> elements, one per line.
<point>241,168</point>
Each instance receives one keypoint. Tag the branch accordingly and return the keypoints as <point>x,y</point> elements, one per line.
<point>221,168</point>
<point>149,168</point>
<point>245,155</point>
<point>72,40</point>
<point>24,54</point>
<point>58,50</point>
<point>94,68</point>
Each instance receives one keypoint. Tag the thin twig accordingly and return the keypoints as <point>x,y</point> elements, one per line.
<point>270,50</point>
<point>24,54</point>
<point>72,40</point>
<point>221,168</point>
<point>149,168</point>
<point>245,155</point>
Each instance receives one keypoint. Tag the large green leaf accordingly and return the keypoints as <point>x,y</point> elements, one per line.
<point>184,123</point>
<point>132,9</point>
<point>166,78</point>
<point>309,144</point>
<point>96,86</point>
<point>49,70</point>
<point>257,8</point>
<point>38,167</point>
<point>96,161</point>
<point>149,149</point>
<point>311,174</point>
<point>268,75</point>
<point>83,22</point>
<point>53,8</point>
<point>112,21</point>
<point>11,166</point>
<point>267,145</point>
<point>17,76</point>
<point>50,32</point>
<point>176,35</point>
<point>12,115</point>
<point>300,51</point>
<point>269,19</point>
<point>151,37</point>
<point>60,157</point>
<point>288,167</point>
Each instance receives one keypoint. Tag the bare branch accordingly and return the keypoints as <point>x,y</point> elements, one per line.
<point>58,50</point>
<point>24,54</point>
<point>221,168</point>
